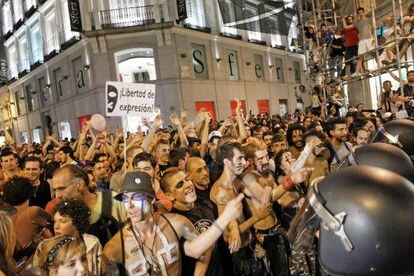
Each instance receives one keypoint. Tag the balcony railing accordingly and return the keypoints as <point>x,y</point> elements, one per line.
<point>127,17</point>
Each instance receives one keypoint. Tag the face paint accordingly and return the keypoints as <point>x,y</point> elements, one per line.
<point>112,98</point>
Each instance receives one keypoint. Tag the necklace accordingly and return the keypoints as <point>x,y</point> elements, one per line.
<point>155,268</point>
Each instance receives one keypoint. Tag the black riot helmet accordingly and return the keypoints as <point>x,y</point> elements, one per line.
<point>365,217</point>
<point>399,132</point>
<point>386,156</point>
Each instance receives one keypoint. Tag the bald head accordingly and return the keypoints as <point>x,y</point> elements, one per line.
<point>199,171</point>
<point>68,181</point>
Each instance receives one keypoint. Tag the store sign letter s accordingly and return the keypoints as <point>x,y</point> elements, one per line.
<point>199,67</point>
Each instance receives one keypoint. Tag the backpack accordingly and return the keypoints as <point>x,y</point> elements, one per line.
<point>106,226</point>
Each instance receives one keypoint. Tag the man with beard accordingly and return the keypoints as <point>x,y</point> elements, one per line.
<point>100,176</point>
<point>361,136</point>
<point>384,98</point>
<point>267,231</point>
<point>65,156</point>
<point>149,243</point>
<point>318,160</point>
<point>234,179</point>
<point>408,90</point>
<point>198,170</point>
<point>338,132</point>
<point>294,139</point>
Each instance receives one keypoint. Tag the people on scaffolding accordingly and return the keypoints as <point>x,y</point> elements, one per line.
<point>354,42</point>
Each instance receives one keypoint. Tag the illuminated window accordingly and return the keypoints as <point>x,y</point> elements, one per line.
<point>254,26</point>
<point>52,35</point>
<point>227,11</point>
<point>24,57</point>
<point>7,18</point>
<point>18,11</point>
<point>36,39</point>
<point>136,65</point>
<point>12,61</point>
<point>195,13</point>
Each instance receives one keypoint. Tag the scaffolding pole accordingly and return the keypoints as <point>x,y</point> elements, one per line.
<point>397,35</point>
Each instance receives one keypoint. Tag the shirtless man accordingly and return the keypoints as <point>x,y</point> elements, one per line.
<point>233,180</point>
<point>268,231</point>
<point>149,243</point>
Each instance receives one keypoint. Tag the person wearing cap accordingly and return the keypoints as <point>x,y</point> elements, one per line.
<point>149,243</point>
<point>213,139</point>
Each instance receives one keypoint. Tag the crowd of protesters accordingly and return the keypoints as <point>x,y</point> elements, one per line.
<point>194,198</point>
<point>354,40</point>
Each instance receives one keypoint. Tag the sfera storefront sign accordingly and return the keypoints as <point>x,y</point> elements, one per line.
<point>130,99</point>
<point>75,16</point>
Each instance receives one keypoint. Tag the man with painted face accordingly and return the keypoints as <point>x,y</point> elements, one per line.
<point>179,188</point>
<point>294,139</point>
<point>318,159</point>
<point>234,179</point>
<point>148,244</point>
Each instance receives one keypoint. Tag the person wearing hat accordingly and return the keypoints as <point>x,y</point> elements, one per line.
<point>149,243</point>
<point>213,139</point>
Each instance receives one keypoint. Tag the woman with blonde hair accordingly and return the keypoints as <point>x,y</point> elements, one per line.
<point>63,255</point>
<point>7,244</point>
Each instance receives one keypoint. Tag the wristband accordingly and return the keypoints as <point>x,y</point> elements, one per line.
<point>288,184</point>
<point>215,224</point>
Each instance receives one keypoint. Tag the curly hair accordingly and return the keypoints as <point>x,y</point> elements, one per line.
<point>75,209</point>
<point>291,129</point>
<point>17,190</point>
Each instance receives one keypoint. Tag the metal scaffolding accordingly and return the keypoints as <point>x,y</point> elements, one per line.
<point>315,12</point>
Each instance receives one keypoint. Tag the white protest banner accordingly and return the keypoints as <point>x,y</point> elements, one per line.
<point>129,99</point>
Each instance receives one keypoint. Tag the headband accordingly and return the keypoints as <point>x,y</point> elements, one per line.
<point>53,252</point>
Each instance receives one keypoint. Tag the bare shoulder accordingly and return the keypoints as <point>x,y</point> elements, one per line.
<point>181,224</point>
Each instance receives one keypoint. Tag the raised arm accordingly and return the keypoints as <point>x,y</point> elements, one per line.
<point>240,122</point>
<point>204,135</point>
<point>195,246</point>
<point>148,139</point>
<point>183,139</point>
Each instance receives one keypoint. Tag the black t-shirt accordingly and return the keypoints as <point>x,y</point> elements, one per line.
<point>41,195</point>
<point>204,197</point>
<point>202,217</point>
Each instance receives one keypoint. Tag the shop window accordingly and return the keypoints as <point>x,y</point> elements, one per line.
<point>283,107</point>
<point>136,65</point>
<point>64,130</point>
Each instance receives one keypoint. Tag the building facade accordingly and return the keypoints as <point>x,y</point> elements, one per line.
<point>57,76</point>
